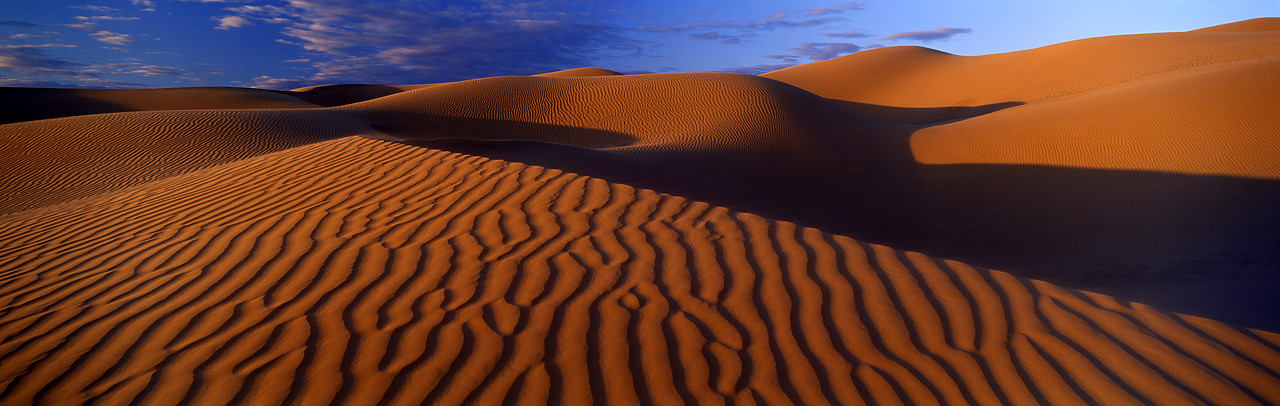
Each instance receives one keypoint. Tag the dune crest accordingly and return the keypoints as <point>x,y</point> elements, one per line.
<point>579,72</point>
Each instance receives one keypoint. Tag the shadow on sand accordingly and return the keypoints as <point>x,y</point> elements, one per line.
<point>1149,237</point>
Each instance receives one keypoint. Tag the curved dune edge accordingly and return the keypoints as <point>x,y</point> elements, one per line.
<point>364,271</point>
<point>910,76</point>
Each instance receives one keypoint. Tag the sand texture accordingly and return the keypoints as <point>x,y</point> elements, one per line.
<point>896,226</point>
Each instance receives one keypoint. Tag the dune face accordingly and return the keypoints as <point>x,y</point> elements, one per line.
<point>824,234</point>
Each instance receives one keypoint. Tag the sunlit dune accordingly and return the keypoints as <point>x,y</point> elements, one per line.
<point>1089,222</point>
<point>579,72</point>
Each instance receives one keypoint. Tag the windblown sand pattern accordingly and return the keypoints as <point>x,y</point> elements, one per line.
<point>364,272</point>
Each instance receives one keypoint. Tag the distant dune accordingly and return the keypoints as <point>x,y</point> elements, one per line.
<point>821,234</point>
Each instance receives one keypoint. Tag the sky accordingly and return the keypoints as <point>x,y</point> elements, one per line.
<point>286,44</point>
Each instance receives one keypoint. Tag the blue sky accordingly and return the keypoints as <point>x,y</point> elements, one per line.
<point>286,44</point>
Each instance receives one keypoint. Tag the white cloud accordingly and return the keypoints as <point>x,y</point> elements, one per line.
<point>113,38</point>
<point>105,18</point>
<point>229,22</point>
<point>100,9</point>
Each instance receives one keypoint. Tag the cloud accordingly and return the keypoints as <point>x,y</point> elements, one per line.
<point>100,9</point>
<point>825,50</point>
<point>113,38</point>
<point>269,82</point>
<point>229,22</point>
<point>390,43</point>
<point>105,18</point>
<point>156,70</point>
<point>780,19</point>
<point>136,68</point>
<point>16,23</point>
<point>757,69</point>
<point>17,37</point>
<point>836,9</point>
<point>85,26</point>
<point>711,36</point>
<point>928,35</point>
<point>816,51</point>
<point>27,82</point>
<point>35,60</point>
<point>763,24</point>
<point>788,58</point>
<point>848,34</point>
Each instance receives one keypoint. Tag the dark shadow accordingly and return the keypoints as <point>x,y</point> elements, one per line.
<point>1196,244</point>
<point>432,127</point>
<point>1149,237</point>
<point>924,115</point>
<point>18,104</point>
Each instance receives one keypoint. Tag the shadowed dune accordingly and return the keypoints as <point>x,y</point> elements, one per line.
<point>50,161</point>
<point>583,236</point>
<point>19,104</point>
<point>365,271</point>
<point>26,104</point>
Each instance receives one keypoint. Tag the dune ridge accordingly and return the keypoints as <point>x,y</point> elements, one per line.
<point>372,272</point>
<point>909,76</point>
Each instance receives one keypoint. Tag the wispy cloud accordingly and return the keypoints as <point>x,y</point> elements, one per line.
<point>723,39</point>
<point>817,51</point>
<point>18,37</point>
<point>35,60</point>
<point>16,23</point>
<point>836,9</point>
<point>387,43</point>
<point>113,38</point>
<point>928,35</point>
<point>757,69</point>
<point>803,18</point>
<point>105,18</point>
<point>137,68</point>
<point>775,21</point>
<point>229,22</point>
<point>100,9</point>
<point>848,34</point>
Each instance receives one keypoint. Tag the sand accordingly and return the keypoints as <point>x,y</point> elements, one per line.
<point>698,238</point>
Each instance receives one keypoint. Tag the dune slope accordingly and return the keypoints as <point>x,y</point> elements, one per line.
<point>25,104</point>
<point>55,160</point>
<point>372,272</point>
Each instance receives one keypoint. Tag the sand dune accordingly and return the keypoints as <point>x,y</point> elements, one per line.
<point>579,72</point>
<point>365,271</point>
<point>821,234</point>
<point>25,104</point>
<point>55,160</point>
<point>921,77</point>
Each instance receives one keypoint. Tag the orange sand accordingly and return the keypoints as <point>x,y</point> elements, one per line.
<point>660,239</point>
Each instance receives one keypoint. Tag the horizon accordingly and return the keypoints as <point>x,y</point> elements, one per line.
<point>286,44</point>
